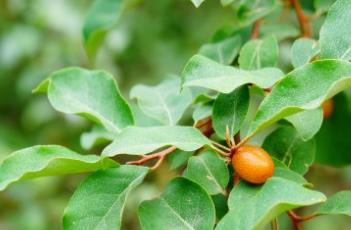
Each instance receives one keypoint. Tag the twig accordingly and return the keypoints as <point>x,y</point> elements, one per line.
<point>225,148</point>
<point>296,219</point>
<point>303,20</point>
<point>275,224</point>
<point>256,29</point>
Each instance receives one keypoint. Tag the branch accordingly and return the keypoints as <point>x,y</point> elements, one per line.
<point>303,20</point>
<point>296,219</point>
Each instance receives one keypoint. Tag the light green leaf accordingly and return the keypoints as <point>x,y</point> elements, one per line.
<point>164,102</point>
<point>229,110</point>
<point>335,34</point>
<point>307,123</point>
<point>99,201</point>
<point>254,206</point>
<point>250,10</point>
<point>202,111</point>
<point>257,54</point>
<point>97,136</point>
<point>141,140</point>
<point>286,145</point>
<point>101,17</point>
<point>178,158</point>
<point>339,203</point>
<point>197,3</point>
<point>50,160</point>
<point>281,31</point>
<point>226,2</point>
<point>290,175</point>
<point>209,171</point>
<point>299,91</point>
<point>183,205</point>
<point>203,72</point>
<point>223,51</point>
<point>92,94</point>
<point>303,50</point>
<point>322,5</point>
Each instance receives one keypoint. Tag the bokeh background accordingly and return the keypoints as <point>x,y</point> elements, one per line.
<point>152,39</point>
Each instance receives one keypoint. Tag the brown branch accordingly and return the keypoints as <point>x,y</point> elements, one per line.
<point>302,18</point>
<point>256,29</point>
<point>296,219</point>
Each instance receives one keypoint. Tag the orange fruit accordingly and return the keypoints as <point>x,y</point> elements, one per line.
<point>328,107</point>
<point>253,164</point>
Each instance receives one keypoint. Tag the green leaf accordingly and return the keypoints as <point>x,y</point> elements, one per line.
<point>183,205</point>
<point>50,160</point>
<point>254,206</point>
<point>322,5</point>
<point>141,140</point>
<point>210,171</point>
<point>101,17</point>
<point>303,50</point>
<point>339,203</point>
<point>164,102</point>
<point>257,54</point>
<point>335,34</point>
<point>307,123</point>
<point>178,158</point>
<point>220,202</point>
<point>281,31</point>
<point>230,110</point>
<point>223,51</point>
<point>286,145</point>
<point>92,94</point>
<point>97,136</point>
<point>334,136</point>
<point>250,10</point>
<point>203,72</point>
<point>99,201</point>
<point>290,175</point>
<point>299,91</point>
<point>197,3</point>
<point>226,2</point>
<point>202,111</point>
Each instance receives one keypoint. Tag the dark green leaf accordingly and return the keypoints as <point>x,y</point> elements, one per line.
<point>99,201</point>
<point>178,158</point>
<point>183,205</point>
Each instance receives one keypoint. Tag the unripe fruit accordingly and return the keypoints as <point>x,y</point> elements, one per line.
<point>328,107</point>
<point>253,164</point>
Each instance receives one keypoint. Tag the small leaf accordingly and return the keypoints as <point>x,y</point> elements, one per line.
<point>303,89</point>
<point>164,102</point>
<point>101,17</point>
<point>230,110</point>
<point>303,50</point>
<point>254,206</point>
<point>286,145</point>
<point>97,136</point>
<point>92,94</point>
<point>50,160</point>
<point>339,203</point>
<point>335,34</point>
<point>209,171</point>
<point>178,158</point>
<point>249,11</point>
<point>307,123</point>
<point>99,201</point>
<point>223,51</point>
<point>203,72</point>
<point>183,205</point>
<point>141,140</point>
<point>257,54</point>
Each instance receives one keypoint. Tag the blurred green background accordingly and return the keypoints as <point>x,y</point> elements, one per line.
<point>152,39</point>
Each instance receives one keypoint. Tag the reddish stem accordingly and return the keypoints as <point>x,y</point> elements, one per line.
<point>256,29</point>
<point>296,219</point>
<point>303,20</point>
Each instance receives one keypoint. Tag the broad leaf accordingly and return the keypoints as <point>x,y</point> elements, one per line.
<point>229,110</point>
<point>141,140</point>
<point>257,54</point>
<point>203,72</point>
<point>97,136</point>
<point>307,123</point>
<point>335,34</point>
<point>223,51</point>
<point>209,171</point>
<point>286,145</point>
<point>178,158</point>
<point>99,201</point>
<point>92,94</point>
<point>50,160</point>
<point>303,50</point>
<point>339,203</point>
<point>254,206</point>
<point>303,89</point>
<point>290,175</point>
<point>164,102</point>
<point>101,17</point>
<point>183,205</point>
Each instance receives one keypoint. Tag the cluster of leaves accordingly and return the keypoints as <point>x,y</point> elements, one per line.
<point>232,85</point>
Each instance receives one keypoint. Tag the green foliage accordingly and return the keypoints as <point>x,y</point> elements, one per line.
<point>303,50</point>
<point>339,203</point>
<point>168,211</point>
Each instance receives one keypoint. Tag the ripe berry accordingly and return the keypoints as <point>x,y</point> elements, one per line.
<point>253,164</point>
<point>328,107</point>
